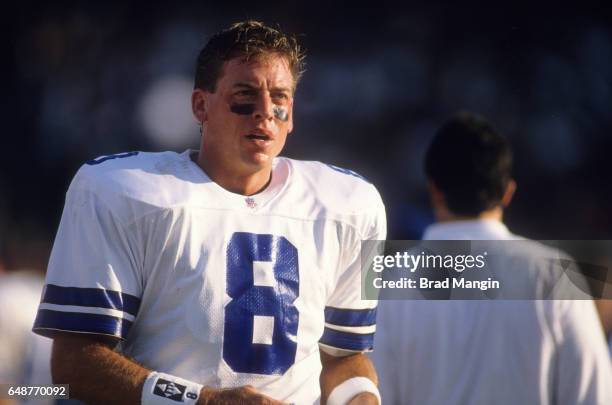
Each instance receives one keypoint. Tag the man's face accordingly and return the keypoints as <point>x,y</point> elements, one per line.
<point>247,119</point>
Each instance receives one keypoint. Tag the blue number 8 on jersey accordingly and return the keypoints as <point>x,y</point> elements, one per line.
<point>261,321</point>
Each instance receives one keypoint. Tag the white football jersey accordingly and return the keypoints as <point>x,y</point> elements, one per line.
<point>215,287</point>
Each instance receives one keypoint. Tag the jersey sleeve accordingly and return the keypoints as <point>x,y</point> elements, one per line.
<point>350,322</point>
<point>93,282</point>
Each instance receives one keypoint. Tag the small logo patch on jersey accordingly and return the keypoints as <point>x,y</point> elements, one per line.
<point>250,202</point>
<point>170,390</point>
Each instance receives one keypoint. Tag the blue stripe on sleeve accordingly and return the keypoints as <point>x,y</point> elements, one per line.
<point>91,297</point>
<point>350,317</point>
<point>80,322</point>
<point>347,341</point>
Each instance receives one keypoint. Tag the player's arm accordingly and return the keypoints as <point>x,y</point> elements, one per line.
<point>99,375</point>
<point>338,370</point>
<point>95,372</point>
<point>348,377</point>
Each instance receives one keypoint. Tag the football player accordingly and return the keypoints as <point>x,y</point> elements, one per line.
<point>220,276</point>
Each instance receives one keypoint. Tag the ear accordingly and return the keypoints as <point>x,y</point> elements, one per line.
<point>509,193</point>
<point>436,196</point>
<point>198,105</point>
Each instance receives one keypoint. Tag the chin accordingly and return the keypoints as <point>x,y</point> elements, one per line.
<point>260,160</point>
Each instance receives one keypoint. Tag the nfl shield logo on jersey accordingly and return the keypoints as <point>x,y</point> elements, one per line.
<point>250,202</point>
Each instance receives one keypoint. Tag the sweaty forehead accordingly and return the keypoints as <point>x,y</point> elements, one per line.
<point>269,70</point>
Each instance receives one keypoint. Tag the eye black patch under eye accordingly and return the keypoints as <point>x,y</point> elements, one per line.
<point>281,113</point>
<point>248,109</point>
<point>242,109</point>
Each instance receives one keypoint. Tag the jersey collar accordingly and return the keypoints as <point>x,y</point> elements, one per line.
<point>280,176</point>
<point>479,229</point>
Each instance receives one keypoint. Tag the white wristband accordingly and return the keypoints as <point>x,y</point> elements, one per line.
<point>348,389</point>
<point>166,389</point>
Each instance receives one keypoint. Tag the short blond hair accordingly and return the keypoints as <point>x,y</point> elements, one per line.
<point>247,39</point>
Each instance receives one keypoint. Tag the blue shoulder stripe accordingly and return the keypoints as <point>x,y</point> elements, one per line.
<point>350,317</point>
<point>103,159</point>
<point>80,322</point>
<point>348,171</point>
<point>91,297</point>
<point>347,340</point>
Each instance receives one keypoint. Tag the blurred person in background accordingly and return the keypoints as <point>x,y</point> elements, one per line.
<point>24,356</point>
<point>230,276</point>
<point>493,352</point>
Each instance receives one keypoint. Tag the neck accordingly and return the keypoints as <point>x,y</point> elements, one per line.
<point>247,183</point>
<point>442,214</point>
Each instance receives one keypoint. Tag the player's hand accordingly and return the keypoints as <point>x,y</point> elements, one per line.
<point>365,398</point>
<point>246,395</point>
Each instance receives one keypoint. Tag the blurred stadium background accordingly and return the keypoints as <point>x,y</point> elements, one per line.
<point>84,79</point>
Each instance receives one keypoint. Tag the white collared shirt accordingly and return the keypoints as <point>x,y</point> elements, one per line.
<point>483,229</point>
<point>490,352</point>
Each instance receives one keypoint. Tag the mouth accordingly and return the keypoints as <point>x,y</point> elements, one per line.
<point>260,137</point>
<point>259,140</point>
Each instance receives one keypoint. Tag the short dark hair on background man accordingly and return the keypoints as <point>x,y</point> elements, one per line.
<point>470,163</point>
<point>249,39</point>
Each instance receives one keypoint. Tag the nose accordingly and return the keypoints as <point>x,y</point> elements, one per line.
<point>264,107</point>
